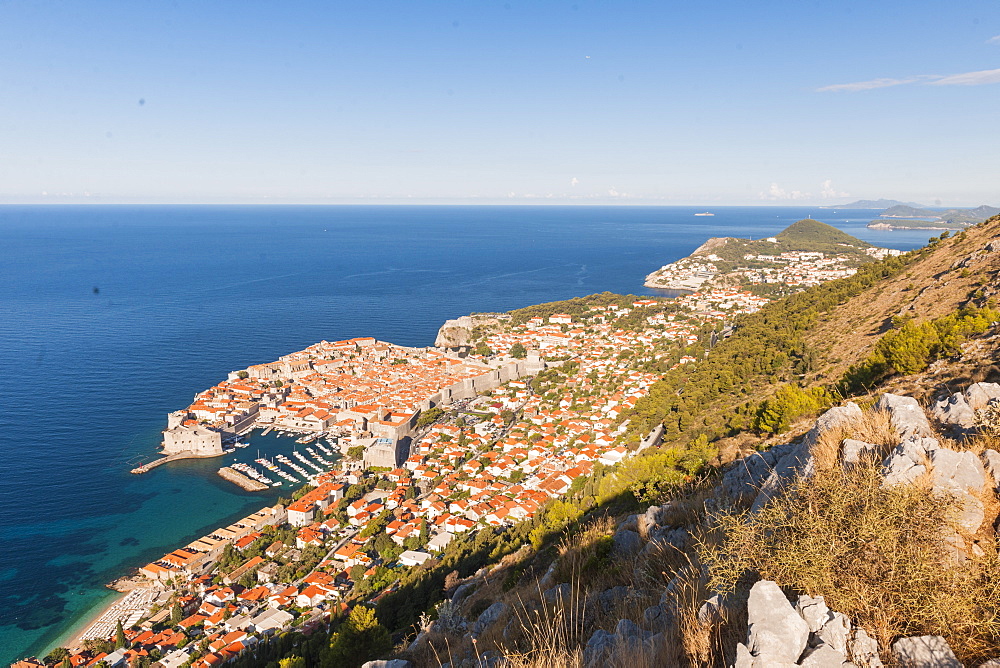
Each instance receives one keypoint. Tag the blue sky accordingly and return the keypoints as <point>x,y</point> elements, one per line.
<point>585,102</point>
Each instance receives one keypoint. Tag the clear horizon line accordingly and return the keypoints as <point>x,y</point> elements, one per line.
<point>430,201</point>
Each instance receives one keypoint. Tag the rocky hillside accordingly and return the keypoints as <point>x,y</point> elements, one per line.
<point>867,540</point>
<point>897,567</point>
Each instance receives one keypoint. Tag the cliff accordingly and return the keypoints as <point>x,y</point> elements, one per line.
<point>459,333</point>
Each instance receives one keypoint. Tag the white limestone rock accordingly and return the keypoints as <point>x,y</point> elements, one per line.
<point>776,633</point>
<point>957,471</point>
<point>825,656</point>
<point>978,395</point>
<point>744,659</point>
<point>907,416</point>
<point>955,411</point>
<point>814,611</point>
<point>863,650</point>
<point>924,652</point>
<point>854,451</point>
<point>626,542</point>
<point>991,460</point>
<point>489,617</point>
<point>836,632</point>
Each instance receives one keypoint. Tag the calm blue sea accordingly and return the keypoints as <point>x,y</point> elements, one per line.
<point>111,316</point>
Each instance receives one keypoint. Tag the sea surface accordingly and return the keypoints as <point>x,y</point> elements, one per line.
<point>111,316</point>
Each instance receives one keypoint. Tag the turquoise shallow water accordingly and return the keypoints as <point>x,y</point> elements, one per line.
<point>112,316</point>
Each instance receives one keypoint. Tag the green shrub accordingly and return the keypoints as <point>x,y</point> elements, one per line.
<point>789,403</point>
<point>911,348</point>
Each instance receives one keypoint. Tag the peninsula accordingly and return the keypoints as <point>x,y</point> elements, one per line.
<point>904,217</point>
<point>806,253</point>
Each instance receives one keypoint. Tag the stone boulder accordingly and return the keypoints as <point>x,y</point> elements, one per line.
<point>627,640</point>
<point>853,451</point>
<point>831,638</point>
<point>814,611</point>
<point>776,634</point>
<point>560,593</point>
<point>906,415</point>
<point>626,542</point>
<point>924,652</point>
<point>979,395</point>
<point>489,617</point>
<point>955,412</point>
<point>907,461</point>
<point>991,461</point>
<point>388,663</point>
<point>825,656</point>
<point>599,648</point>
<point>797,459</point>
<point>608,599</point>
<point>958,471</point>
<point>744,477</point>
<point>961,474</point>
<point>463,591</point>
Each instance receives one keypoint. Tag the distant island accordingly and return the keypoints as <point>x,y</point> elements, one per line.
<point>872,204</point>
<point>905,217</point>
<point>806,253</point>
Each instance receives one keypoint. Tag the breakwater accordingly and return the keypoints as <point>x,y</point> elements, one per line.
<point>241,480</point>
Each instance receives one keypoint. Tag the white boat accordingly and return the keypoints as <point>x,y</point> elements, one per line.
<point>706,213</point>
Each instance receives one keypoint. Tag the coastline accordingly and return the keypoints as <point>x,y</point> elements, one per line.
<point>131,595</point>
<point>73,637</point>
<point>150,502</point>
<point>76,635</point>
<point>889,226</point>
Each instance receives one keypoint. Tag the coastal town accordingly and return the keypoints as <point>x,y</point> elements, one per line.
<point>794,269</point>
<point>432,446</point>
<point>805,254</point>
<point>496,453</point>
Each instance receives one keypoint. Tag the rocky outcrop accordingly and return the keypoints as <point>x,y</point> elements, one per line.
<point>388,663</point>
<point>959,411</point>
<point>806,634</point>
<point>957,474</point>
<point>763,475</point>
<point>907,416</point>
<point>776,633</point>
<point>489,617</point>
<point>457,333</point>
<point>627,640</point>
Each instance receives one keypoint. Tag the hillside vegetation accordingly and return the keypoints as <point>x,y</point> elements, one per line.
<point>896,532</point>
<point>804,235</point>
<point>810,339</point>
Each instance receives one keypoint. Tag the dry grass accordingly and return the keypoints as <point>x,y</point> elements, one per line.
<point>874,427</point>
<point>586,555</point>
<point>550,636</point>
<point>876,553</point>
<point>709,640</point>
<point>852,329</point>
